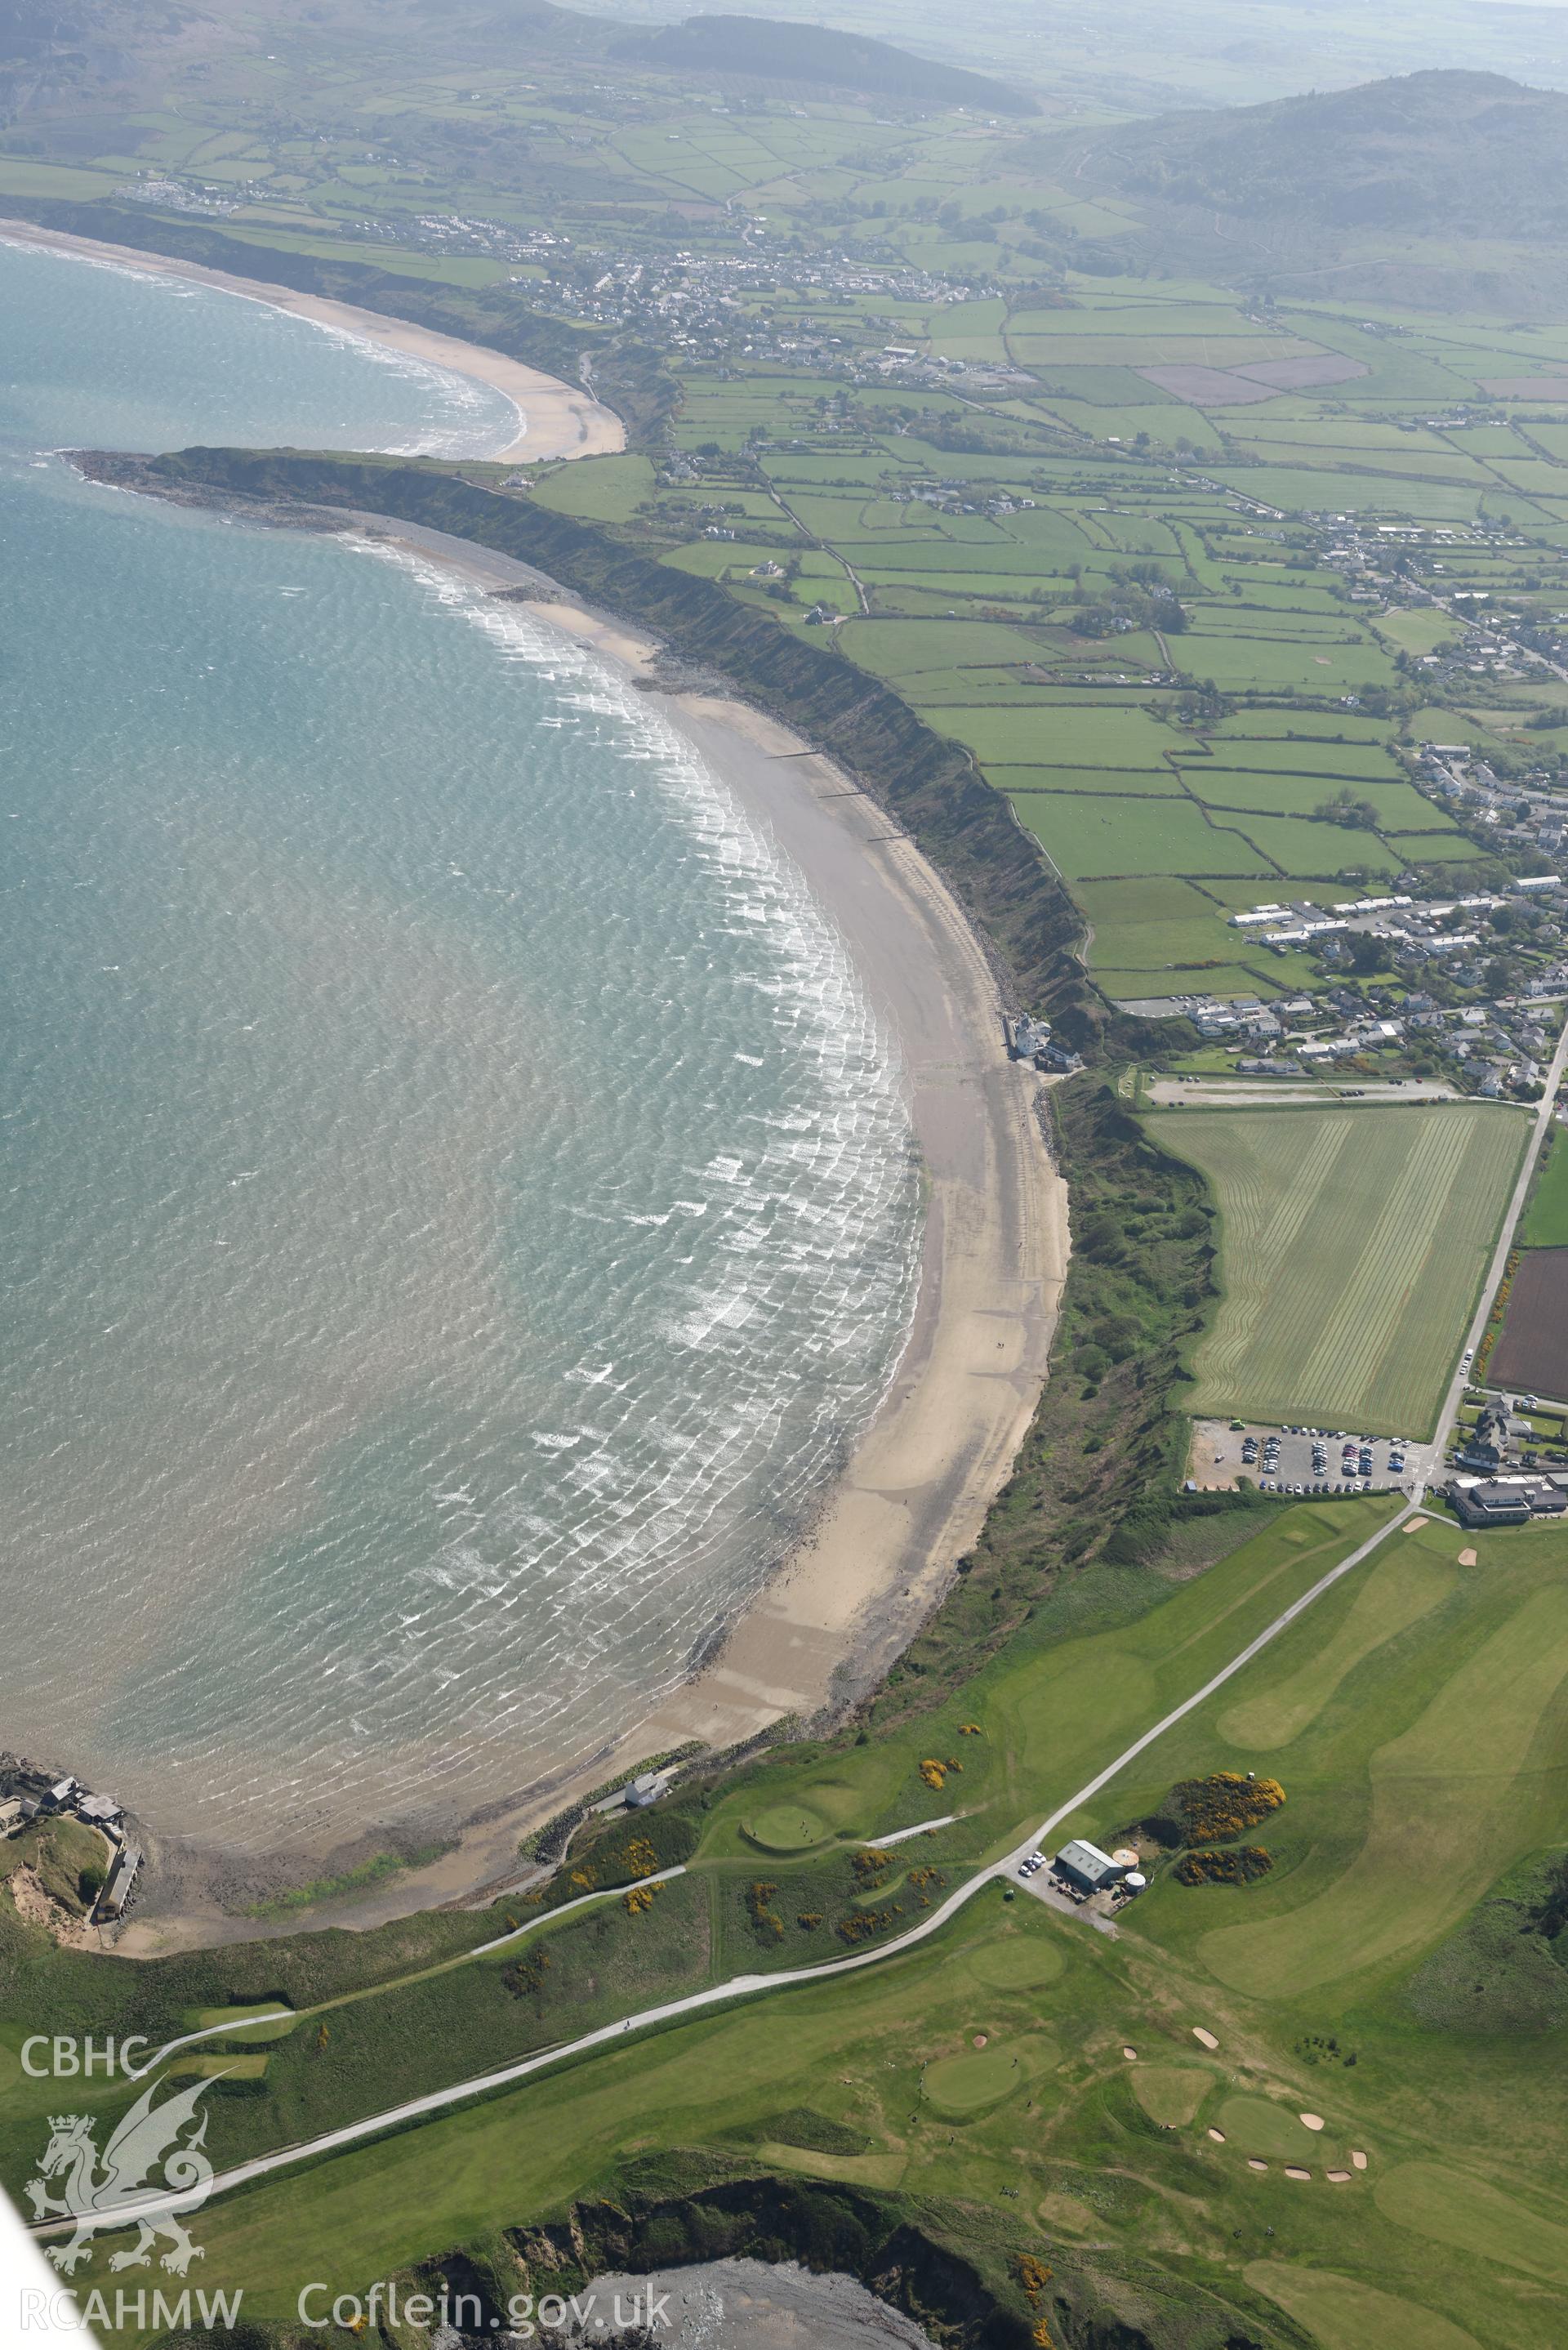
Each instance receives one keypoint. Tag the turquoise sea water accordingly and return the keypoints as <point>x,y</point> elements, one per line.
<point>458,1204</point>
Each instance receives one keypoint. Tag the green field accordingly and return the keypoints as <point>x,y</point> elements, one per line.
<point>1353,1243</point>
<point>784,1827</point>
<point>1005,539</point>
<point>1088,836</point>
<point>1420,1761</point>
<point>1123,607</point>
<point>1545,1223</point>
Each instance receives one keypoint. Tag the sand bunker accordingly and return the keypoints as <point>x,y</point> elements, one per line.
<point>1131,2056</point>
<point>1414,1526</point>
<point>1294,2171</point>
<point>1336,2177</point>
<point>1359,2159</point>
<point>1205,2039</point>
<point>1253,2163</point>
<point>1467,1558</point>
<point>980,2038</point>
<point>1217,2136</point>
<point>1312,2121</point>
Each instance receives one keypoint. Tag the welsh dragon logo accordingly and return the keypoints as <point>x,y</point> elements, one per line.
<point>147,2179</point>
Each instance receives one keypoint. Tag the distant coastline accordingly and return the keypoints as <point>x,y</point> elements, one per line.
<point>558,419</point>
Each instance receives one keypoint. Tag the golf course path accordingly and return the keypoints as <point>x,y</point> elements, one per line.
<point>750,1986</point>
<point>755,1986</point>
<point>230,2028</point>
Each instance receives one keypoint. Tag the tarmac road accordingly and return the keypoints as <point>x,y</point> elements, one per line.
<point>759,1986</point>
<point>748,1986</point>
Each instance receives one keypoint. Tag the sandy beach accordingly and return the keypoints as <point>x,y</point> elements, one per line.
<point>914,1496</point>
<point>557,420</point>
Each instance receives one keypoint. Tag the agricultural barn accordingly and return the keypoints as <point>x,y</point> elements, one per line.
<point>1087,1866</point>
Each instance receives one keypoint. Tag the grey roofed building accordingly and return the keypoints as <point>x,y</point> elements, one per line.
<point>122,1876</point>
<point>98,1811</point>
<point>1506,1501</point>
<point>1085,1865</point>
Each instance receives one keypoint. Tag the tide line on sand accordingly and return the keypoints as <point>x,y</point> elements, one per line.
<point>912,1498</point>
<point>557,420</point>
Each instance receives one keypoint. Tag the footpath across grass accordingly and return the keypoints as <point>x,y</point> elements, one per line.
<point>1415,1721</point>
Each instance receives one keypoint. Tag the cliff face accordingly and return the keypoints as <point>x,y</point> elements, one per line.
<point>776,2220</point>
<point>927,784</point>
<point>968,2276</point>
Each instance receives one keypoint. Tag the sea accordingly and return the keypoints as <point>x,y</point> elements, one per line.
<point>458,1202</point>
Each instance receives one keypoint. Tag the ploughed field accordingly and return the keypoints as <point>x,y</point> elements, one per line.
<point>1352,1244</point>
<point>1531,1349</point>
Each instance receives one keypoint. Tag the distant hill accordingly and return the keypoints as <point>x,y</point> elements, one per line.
<point>1467,155</point>
<point>758,49</point>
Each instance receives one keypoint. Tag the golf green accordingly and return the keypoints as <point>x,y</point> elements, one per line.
<point>1256,2125</point>
<point>959,2087</point>
<point>786,1827</point>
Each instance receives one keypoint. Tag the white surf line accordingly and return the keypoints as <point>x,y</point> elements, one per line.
<point>747,1986</point>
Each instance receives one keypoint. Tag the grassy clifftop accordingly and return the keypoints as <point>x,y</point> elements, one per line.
<point>929,783</point>
<point>628,375</point>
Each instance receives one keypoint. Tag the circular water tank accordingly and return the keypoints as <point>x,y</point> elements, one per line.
<point>1134,1880</point>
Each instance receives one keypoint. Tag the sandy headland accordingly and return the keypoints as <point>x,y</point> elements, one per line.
<point>555,418</point>
<point>887,1539</point>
